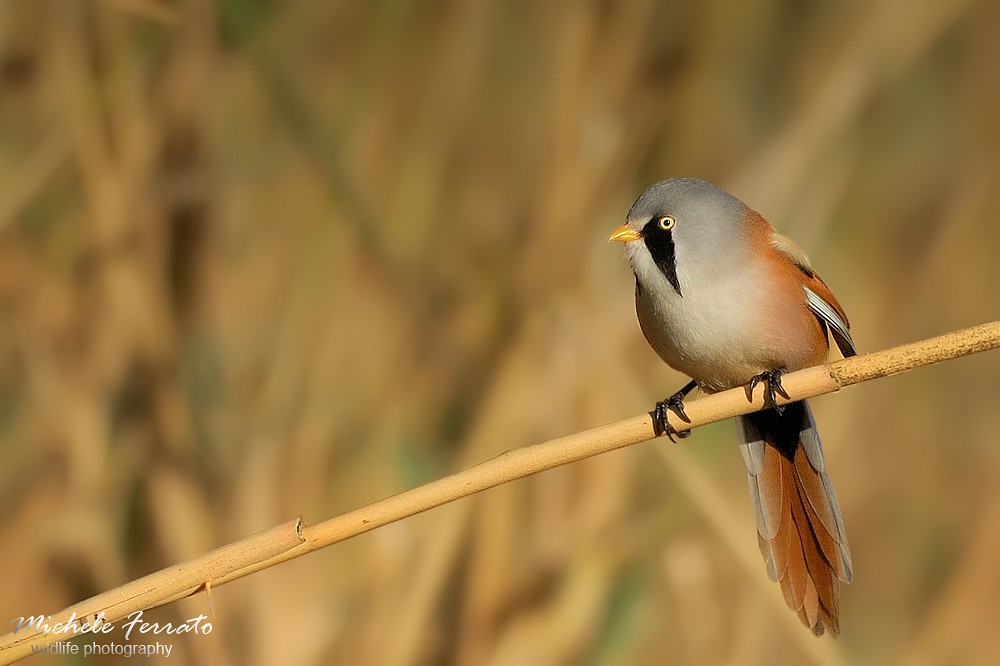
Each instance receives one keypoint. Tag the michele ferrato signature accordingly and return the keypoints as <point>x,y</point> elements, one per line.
<point>97,625</point>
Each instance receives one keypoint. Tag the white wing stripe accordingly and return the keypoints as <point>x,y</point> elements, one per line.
<point>837,325</point>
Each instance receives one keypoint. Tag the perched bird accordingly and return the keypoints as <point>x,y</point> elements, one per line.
<point>725,299</point>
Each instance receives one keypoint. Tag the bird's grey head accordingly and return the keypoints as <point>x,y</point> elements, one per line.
<point>687,227</point>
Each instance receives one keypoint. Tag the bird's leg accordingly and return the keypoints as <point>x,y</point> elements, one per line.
<point>675,403</point>
<point>772,381</point>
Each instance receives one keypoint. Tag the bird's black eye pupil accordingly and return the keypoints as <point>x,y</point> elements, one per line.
<point>666,222</point>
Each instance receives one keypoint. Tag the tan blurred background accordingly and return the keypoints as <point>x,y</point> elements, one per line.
<point>263,259</point>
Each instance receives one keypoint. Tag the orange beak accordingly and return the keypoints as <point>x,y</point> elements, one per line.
<point>624,233</point>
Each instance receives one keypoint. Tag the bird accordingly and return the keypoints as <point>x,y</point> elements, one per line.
<point>728,301</point>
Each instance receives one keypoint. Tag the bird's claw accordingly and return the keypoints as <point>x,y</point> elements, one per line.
<point>675,403</point>
<point>772,388</point>
<point>661,425</point>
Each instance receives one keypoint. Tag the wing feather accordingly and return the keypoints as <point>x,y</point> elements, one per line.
<point>838,325</point>
<point>819,297</point>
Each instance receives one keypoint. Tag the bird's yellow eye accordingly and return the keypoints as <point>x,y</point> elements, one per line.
<point>666,223</point>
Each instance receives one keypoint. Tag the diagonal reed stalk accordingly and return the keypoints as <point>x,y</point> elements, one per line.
<point>294,538</point>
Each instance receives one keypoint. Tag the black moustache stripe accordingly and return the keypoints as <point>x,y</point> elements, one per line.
<point>660,244</point>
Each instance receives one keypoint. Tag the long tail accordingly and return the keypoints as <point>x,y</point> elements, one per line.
<point>799,528</point>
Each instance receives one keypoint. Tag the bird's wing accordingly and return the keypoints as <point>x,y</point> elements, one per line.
<point>818,296</point>
<point>833,316</point>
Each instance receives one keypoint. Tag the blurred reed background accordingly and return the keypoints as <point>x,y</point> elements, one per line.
<point>264,259</point>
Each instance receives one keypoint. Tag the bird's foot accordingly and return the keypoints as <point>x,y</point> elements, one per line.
<point>772,388</point>
<point>675,403</point>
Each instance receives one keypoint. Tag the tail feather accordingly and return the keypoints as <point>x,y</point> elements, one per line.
<point>800,531</point>
<point>814,496</point>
